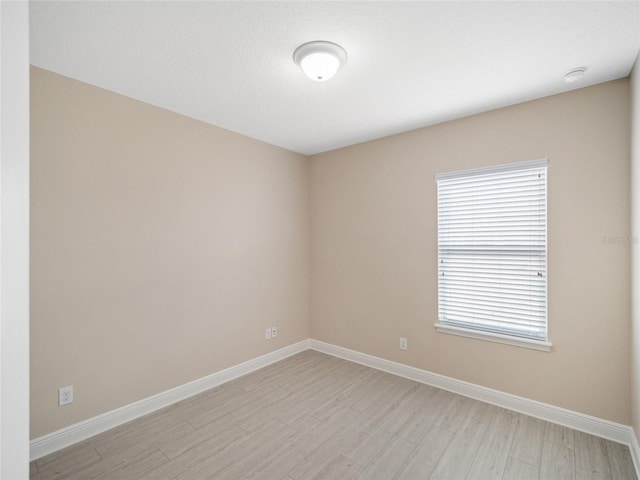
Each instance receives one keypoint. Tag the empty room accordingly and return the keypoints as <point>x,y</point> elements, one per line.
<point>322,240</point>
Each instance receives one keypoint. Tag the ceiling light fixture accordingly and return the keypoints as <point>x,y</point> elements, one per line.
<point>574,75</point>
<point>320,60</point>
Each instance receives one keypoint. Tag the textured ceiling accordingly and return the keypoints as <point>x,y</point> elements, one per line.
<point>410,64</point>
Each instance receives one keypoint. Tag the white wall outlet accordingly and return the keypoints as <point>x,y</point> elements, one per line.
<point>267,334</point>
<point>65,395</point>
<point>274,332</point>
<point>403,343</point>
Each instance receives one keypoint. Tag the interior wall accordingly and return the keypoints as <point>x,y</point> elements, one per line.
<point>161,249</point>
<point>374,248</point>
<point>14,240</point>
<point>635,264</point>
<point>157,238</point>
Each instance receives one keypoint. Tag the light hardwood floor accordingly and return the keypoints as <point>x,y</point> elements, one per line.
<point>313,416</point>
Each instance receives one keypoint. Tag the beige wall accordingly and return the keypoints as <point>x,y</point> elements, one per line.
<point>161,249</point>
<point>373,212</point>
<point>635,266</point>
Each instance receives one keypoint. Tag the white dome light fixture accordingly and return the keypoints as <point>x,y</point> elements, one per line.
<point>320,60</point>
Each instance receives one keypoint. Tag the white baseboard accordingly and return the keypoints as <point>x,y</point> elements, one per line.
<point>578,421</point>
<point>634,447</point>
<point>67,436</point>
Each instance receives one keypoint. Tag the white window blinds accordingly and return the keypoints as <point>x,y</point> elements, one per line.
<point>492,250</point>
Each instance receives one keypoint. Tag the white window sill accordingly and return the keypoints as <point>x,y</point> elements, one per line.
<point>494,337</point>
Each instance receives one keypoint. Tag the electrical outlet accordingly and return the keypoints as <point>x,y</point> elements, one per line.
<point>274,332</point>
<point>403,343</point>
<point>65,396</point>
<point>267,334</point>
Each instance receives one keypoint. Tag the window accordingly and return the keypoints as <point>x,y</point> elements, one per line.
<point>492,253</point>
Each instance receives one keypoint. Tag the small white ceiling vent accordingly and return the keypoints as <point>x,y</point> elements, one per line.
<point>574,75</point>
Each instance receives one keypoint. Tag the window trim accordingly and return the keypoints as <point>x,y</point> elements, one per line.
<point>504,338</point>
<point>541,345</point>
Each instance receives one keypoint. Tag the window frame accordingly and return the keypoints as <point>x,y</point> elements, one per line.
<point>467,329</point>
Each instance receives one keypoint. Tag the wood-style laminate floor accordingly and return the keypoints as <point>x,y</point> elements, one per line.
<point>313,416</point>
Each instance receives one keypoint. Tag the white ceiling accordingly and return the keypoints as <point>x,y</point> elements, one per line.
<point>410,64</point>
